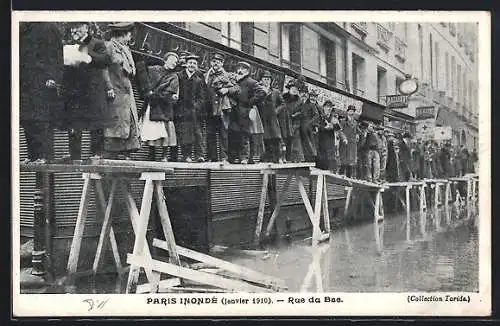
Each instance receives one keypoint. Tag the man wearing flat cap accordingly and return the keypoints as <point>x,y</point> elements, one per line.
<point>190,108</point>
<point>240,125</point>
<point>268,112</point>
<point>220,106</point>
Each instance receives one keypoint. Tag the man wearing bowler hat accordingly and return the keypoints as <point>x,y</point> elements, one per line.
<point>240,123</point>
<point>190,108</point>
<point>268,112</point>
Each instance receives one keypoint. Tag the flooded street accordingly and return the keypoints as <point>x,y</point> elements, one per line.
<point>444,259</point>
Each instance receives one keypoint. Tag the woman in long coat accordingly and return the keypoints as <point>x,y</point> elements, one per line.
<point>327,148</point>
<point>285,121</point>
<point>122,137</point>
<point>292,110</point>
<point>308,125</point>
<point>85,100</point>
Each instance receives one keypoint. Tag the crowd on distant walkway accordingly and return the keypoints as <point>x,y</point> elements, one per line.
<point>85,83</point>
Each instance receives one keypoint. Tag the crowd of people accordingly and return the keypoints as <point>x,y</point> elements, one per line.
<point>91,89</point>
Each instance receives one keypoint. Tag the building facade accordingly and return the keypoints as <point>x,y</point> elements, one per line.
<point>369,60</point>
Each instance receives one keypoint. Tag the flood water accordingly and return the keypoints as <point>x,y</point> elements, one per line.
<point>443,258</point>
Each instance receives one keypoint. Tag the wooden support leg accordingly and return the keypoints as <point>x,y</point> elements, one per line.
<point>166,224</point>
<point>408,214</point>
<point>317,209</point>
<point>423,210</point>
<point>106,226</point>
<point>436,205</point>
<point>101,201</point>
<point>447,203</point>
<point>347,201</point>
<point>305,198</point>
<point>282,195</point>
<point>378,222</point>
<point>80,226</point>
<point>140,236</point>
<point>153,277</point>
<point>262,206</point>
<point>326,212</point>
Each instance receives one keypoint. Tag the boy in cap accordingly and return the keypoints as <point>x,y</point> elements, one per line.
<point>268,112</point>
<point>190,108</point>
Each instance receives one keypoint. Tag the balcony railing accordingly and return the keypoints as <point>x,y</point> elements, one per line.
<point>382,100</point>
<point>453,29</point>
<point>383,37</point>
<point>361,28</point>
<point>400,48</point>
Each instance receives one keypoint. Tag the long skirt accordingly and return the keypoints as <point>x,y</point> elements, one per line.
<point>157,133</point>
<point>130,144</point>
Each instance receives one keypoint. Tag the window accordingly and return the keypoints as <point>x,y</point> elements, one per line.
<point>436,64</point>
<point>421,46</point>
<point>327,60</point>
<point>291,45</point>
<point>431,56</point>
<point>381,84</point>
<point>231,34</point>
<point>447,73</point>
<point>358,74</point>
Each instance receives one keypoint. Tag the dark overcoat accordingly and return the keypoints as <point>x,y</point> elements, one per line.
<point>268,113</point>
<point>191,106</point>
<point>163,84</point>
<point>247,95</point>
<point>290,102</point>
<point>41,59</point>
<point>393,167</point>
<point>405,161</point>
<point>349,152</point>
<point>85,100</point>
<point>310,119</point>
<point>327,149</point>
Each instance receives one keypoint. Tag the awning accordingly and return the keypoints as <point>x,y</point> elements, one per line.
<point>445,117</point>
<point>372,112</point>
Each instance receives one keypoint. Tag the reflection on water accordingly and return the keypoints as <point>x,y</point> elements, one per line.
<point>441,257</point>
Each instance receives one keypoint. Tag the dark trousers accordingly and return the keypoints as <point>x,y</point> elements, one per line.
<point>39,139</point>
<point>272,150</point>
<point>217,132</point>
<point>75,143</point>
<point>348,170</point>
<point>239,146</point>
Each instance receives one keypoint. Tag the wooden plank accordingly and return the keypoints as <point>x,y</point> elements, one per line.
<point>241,271</point>
<point>262,206</point>
<point>134,219</point>
<point>196,276</point>
<point>166,224</point>
<point>282,195</point>
<point>79,227</point>
<point>106,226</point>
<point>345,181</point>
<point>101,201</point>
<point>326,212</point>
<point>140,236</point>
<point>89,168</point>
<point>146,287</point>
<point>305,199</point>
<point>317,210</point>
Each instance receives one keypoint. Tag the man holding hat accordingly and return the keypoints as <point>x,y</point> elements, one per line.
<point>349,151</point>
<point>190,108</point>
<point>220,105</point>
<point>240,124</point>
<point>268,112</point>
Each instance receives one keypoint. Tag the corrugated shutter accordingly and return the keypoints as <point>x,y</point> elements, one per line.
<point>235,190</point>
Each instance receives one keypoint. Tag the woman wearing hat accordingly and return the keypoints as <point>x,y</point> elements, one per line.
<point>289,117</point>
<point>158,129</point>
<point>349,150</point>
<point>122,137</point>
<point>327,148</point>
<point>310,121</point>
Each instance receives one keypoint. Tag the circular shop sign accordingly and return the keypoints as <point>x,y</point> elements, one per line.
<point>408,86</point>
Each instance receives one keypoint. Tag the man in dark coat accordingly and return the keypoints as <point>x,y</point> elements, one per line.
<point>445,158</point>
<point>190,108</point>
<point>269,115</point>
<point>405,159</point>
<point>86,96</point>
<point>247,96</point>
<point>309,123</point>
<point>370,144</point>
<point>291,102</point>
<point>40,73</point>
<point>382,152</point>
<point>220,106</point>
<point>327,148</point>
<point>349,150</point>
